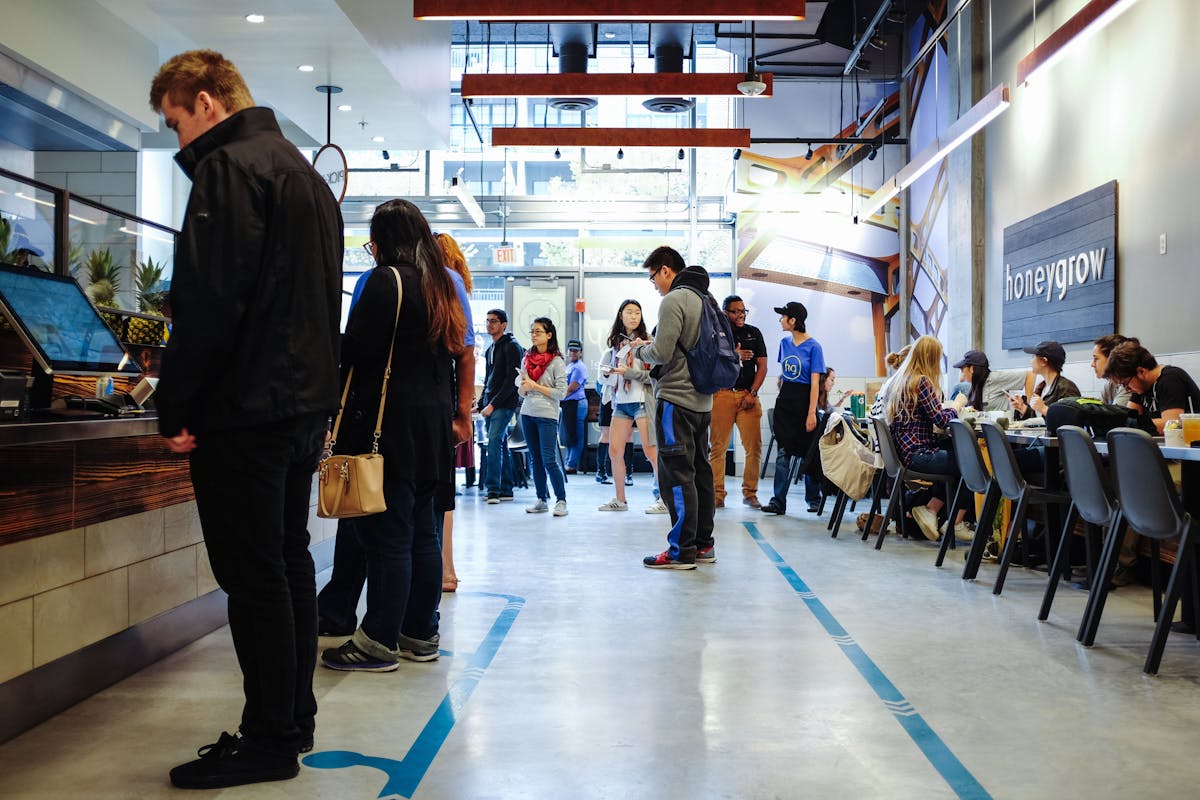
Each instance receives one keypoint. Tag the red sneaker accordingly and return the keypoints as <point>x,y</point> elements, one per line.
<point>664,561</point>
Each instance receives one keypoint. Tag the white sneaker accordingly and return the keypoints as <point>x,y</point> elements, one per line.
<point>560,508</point>
<point>657,507</point>
<point>927,521</point>
<point>539,507</point>
<point>962,533</point>
<point>615,505</point>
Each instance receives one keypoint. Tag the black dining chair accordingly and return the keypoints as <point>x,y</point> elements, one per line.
<point>1091,500</point>
<point>975,479</point>
<point>900,475</point>
<point>1150,505</point>
<point>1014,487</point>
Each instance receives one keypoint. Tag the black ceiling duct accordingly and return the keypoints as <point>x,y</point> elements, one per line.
<point>574,44</point>
<point>668,57</point>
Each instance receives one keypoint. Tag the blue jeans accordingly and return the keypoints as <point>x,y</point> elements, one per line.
<point>541,435</point>
<point>783,464</point>
<point>404,563</point>
<point>939,462</point>
<point>574,430</point>
<point>499,461</point>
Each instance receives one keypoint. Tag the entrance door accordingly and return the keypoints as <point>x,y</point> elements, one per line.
<point>552,296</point>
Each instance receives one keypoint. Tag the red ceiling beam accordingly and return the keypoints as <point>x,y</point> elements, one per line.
<point>578,84</point>
<point>620,137</point>
<point>609,10</point>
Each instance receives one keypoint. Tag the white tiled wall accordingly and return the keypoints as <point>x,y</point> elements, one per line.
<point>62,592</point>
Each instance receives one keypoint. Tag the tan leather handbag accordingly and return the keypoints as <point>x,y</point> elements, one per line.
<point>352,486</point>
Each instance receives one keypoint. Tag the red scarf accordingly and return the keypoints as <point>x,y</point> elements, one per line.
<point>535,363</point>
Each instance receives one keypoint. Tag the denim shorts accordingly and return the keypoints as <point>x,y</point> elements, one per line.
<point>633,411</point>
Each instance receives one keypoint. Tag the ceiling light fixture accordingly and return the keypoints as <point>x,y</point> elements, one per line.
<point>377,139</point>
<point>680,155</point>
<point>255,19</point>
<point>620,154</point>
<point>345,107</point>
<point>306,67</point>
<point>557,153</point>
<point>977,116</point>
<point>459,190</point>
<point>808,156</point>
<point>608,137</point>
<point>1089,19</point>
<point>616,84</point>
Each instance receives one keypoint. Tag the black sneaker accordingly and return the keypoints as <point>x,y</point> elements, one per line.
<point>505,498</point>
<point>419,649</point>
<point>232,761</point>
<point>493,498</point>
<point>706,555</point>
<point>350,659</point>
<point>772,508</point>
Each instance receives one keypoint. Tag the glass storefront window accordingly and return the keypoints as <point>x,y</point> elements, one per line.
<point>26,225</point>
<point>120,263</point>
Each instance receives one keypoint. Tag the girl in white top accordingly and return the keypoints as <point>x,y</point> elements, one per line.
<point>627,382</point>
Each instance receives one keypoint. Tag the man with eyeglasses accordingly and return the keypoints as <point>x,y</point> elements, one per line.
<point>739,406</point>
<point>1160,392</point>
<point>498,404</point>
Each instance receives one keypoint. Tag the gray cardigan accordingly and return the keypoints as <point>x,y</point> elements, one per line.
<point>537,404</point>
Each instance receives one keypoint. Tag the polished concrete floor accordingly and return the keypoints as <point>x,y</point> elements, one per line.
<point>797,666</point>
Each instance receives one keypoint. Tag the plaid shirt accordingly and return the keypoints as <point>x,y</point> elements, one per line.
<point>912,429</point>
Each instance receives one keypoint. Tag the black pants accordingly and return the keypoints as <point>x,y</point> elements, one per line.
<point>685,479</point>
<point>253,487</point>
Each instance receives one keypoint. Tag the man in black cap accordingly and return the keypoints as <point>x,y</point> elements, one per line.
<point>1048,359</point>
<point>574,406</point>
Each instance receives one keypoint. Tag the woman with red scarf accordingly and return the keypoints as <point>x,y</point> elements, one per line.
<point>543,383</point>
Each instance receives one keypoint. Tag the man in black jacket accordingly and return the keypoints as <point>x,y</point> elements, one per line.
<point>498,404</point>
<point>247,384</point>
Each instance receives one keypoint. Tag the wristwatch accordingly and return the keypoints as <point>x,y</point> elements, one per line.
<point>753,393</point>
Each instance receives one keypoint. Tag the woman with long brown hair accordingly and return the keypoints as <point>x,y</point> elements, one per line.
<point>404,563</point>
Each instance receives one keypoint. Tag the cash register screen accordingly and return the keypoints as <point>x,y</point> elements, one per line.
<point>59,325</point>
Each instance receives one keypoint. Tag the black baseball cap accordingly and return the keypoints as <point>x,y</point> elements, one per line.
<point>574,344</point>
<point>1050,350</point>
<point>795,310</point>
<point>973,358</point>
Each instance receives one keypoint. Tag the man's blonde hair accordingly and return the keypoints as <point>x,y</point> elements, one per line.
<point>187,74</point>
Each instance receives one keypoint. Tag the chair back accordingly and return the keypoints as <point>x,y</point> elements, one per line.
<point>516,434</point>
<point>887,447</point>
<point>1087,479</point>
<point>1004,464</point>
<point>970,461</point>
<point>1144,486</point>
<point>771,420</point>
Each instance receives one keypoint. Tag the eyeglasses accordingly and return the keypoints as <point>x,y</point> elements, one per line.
<point>654,274</point>
<point>536,331</point>
<point>738,312</point>
<point>370,247</point>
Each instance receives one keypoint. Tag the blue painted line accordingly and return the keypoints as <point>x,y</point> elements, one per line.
<point>404,775</point>
<point>960,779</point>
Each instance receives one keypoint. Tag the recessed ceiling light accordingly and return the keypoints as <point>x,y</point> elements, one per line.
<point>306,67</point>
<point>345,107</point>
<point>255,19</point>
<point>609,35</point>
<point>376,138</point>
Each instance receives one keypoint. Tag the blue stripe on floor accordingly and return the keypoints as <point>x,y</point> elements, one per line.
<point>405,775</point>
<point>961,781</point>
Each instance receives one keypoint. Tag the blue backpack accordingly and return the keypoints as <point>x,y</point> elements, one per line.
<point>713,362</point>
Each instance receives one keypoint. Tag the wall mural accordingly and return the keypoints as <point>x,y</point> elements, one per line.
<point>794,225</point>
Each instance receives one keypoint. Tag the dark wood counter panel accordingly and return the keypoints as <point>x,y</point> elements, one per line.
<point>57,476</point>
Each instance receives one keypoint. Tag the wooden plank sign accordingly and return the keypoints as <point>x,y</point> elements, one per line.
<point>1059,279</point>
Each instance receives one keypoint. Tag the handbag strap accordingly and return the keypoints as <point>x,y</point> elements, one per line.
<point>387,373</point>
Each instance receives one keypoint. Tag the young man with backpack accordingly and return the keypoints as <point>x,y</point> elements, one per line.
<point>690,366</point>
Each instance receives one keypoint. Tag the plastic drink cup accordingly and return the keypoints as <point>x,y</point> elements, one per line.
<point>1191,428</point>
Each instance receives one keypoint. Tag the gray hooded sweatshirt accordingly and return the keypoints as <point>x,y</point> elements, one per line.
<point>678,330</point>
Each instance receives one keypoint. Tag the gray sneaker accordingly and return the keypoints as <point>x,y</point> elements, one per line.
<point>419,649</point>
<point>539,507</point>
<point>560,508</point>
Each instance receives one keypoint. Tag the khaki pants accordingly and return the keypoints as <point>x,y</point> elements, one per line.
<point>727,412</point>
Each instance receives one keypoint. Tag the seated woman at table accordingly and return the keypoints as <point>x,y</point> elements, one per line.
<point>912,407</point>
<point>1112,393</point>
<point>1160,392</point>
<point>988,390</point>
<point>1047,364</point>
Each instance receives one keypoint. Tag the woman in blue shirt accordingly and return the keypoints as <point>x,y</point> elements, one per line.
<point>803,364</point>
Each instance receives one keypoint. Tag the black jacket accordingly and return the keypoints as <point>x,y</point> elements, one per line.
<point>256,288</point>
<point>499,382</point>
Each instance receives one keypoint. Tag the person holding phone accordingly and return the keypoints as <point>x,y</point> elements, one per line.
<point>629,380</point>
<point>1048,359</point>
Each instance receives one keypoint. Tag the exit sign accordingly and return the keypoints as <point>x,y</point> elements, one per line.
<point>506,255</point>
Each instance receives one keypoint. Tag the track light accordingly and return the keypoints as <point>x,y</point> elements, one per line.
<point>620,154</point>
<point>386,155</point>
<point>680,154</point>
<point>808,156</point>
<point>871,155</point>
<point>557,153</point>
